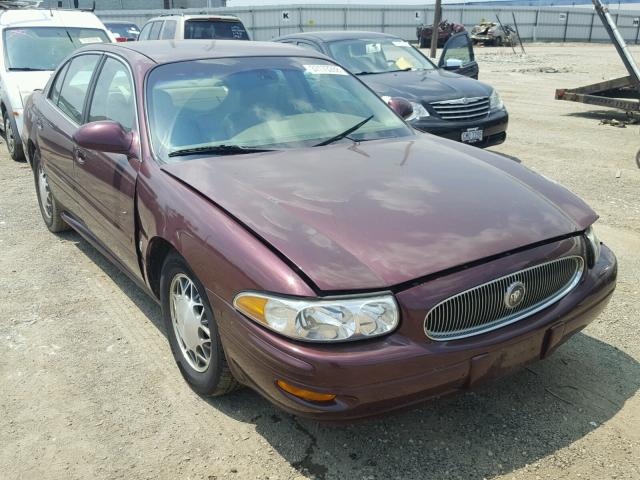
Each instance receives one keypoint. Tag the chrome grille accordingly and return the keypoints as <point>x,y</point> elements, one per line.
<point>484,308</point>
<point>462,108</point>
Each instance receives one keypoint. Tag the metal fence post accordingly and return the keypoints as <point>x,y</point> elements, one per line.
<point>637,33</point>
<point>344,11</point>
<point>535,26</point>
<point>383,20</point>
<point>300,20</point>
<point>253,24</point>
<point>566,25</point>
<point>593,16</point>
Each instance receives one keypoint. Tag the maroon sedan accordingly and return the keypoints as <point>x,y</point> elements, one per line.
<point>301,238</point>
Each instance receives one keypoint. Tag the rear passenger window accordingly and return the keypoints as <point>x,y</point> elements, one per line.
<point>113,95</point>
<point>54,92</point>
<point>155,30</point>
<point>169,30</point>
<point>75,85</point>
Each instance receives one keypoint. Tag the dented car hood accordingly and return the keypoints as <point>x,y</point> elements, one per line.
<point>380,213</point>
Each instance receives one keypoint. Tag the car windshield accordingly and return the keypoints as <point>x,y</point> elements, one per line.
<point>260,103</point>
<point>378,55</point>
<point>213,28</point>
<point>43,48</point>
<point>126,30</point>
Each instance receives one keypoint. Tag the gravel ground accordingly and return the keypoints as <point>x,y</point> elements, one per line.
<point>88,388</point>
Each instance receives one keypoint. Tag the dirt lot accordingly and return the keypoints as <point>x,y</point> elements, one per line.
<point>88,388</point>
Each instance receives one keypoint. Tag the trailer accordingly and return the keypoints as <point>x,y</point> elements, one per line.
<point>621,93</point>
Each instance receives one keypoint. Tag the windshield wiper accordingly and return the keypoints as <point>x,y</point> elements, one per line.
<point>385,71</point>
<point>344,134</point>
<point>218,150</point>
<point>27,69</point>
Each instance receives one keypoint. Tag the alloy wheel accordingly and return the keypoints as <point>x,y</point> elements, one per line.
<point>190,322</point>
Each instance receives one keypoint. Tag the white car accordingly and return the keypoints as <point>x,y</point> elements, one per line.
<point>190,27</point>
<point>32,44</point>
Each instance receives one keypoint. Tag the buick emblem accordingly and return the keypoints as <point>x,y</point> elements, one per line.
<point>514,295</point>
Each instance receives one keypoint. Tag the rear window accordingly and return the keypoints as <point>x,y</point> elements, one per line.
<point>215,28</point>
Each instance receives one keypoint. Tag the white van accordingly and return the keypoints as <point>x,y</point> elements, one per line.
<point>32,44</point>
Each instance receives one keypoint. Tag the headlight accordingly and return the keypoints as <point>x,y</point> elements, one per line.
<point>316,320</point>
<point>495,102</point>
<point>418,112</point>
<point>594,245</point>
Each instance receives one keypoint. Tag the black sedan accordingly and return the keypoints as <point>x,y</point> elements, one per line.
<point>445,101</point>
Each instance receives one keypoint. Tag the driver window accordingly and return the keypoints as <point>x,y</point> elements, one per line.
<point>459,49</point>
<point>113,97</point>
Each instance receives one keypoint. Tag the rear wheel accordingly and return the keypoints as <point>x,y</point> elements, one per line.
<point>14,146</point>
<point>498,41</point>
<point>49,208</point>
<point>192,330</point>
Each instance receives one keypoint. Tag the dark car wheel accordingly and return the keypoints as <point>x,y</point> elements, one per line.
<point>192,330</point>
<point>49,208</point>
<point>498,41</point>
<point>14,146</point>
<point>423,43</point>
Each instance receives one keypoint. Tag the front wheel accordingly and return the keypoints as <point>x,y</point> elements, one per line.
<point>498,41</point>
<point>49,208</point>
<point>423,42</point>
<point>192,330</point>
<point>14,146</point>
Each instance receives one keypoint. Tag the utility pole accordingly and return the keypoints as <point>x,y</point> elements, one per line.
<point>437,15</point>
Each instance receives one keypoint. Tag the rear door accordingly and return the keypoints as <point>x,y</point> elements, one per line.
<point>61,115</point>
<point>107,181</point>
<point>458,56</point>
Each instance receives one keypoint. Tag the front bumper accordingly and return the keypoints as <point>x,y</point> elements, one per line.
<point>404,368</point>
<point>494,128</point>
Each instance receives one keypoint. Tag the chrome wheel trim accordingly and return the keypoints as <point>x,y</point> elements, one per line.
<point>46,200</point>
<point>190,322</point>
<point>8,134</point>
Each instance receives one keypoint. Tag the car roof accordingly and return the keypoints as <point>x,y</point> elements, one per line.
<point>331,35</point>
<point>214,16</point>
<point>117,22</point>
<point>34,17</point>
<point>168,51</point>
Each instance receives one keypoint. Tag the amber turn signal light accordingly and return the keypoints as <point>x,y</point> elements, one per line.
<point>305,394</point>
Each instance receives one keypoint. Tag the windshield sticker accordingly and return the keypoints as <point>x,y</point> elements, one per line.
<point>325,70</point>
<point>373,48</point>
<point>87,40</point>
<point>401,44</point>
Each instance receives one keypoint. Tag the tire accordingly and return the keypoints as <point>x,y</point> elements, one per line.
<point>186,319</point>
<point>423,42</point>
<point>497,41</point>
<point>14,145</point>
<point>50,209</point>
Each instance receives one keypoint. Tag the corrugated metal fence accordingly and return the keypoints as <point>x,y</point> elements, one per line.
<point>541,24</point>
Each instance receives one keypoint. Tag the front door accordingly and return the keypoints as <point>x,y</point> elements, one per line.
<point>457,56</point>
<point>106,182</point>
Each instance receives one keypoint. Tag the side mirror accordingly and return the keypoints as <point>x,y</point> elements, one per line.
<point>106,136</point>
<point>452,64</point>
<point>401,106</point>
